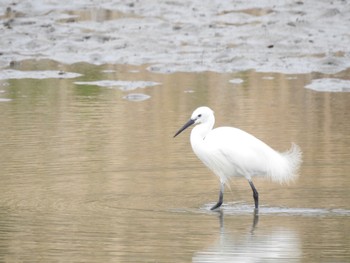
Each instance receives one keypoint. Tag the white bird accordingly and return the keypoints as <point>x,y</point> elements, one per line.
<point>231,152</point>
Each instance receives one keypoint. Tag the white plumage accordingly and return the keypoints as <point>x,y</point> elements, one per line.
<point>230,152</point>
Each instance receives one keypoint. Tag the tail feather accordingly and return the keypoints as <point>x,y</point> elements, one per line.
<point>286,169</point>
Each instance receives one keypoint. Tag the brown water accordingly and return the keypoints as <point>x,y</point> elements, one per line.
<point>89,176</point>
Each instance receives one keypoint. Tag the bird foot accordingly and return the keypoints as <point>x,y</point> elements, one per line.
<point>216,206</point>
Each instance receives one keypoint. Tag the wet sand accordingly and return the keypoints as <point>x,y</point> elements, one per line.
<point>192,36</point>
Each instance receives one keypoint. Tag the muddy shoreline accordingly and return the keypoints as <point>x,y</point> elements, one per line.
<point>291,37</point>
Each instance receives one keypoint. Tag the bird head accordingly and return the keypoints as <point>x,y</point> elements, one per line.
<point>200,115</point>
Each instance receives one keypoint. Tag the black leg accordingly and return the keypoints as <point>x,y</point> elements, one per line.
<point>221,197</point>
<point>255,195</point>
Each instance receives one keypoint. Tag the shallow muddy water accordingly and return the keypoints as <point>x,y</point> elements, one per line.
<point>91,174</point>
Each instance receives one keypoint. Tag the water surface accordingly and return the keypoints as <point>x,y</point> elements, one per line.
<point>90,175</point>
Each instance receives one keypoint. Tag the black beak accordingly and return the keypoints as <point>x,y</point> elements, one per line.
<point>188,124</point>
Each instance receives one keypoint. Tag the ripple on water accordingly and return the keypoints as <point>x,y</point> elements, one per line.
<point>239,208</point>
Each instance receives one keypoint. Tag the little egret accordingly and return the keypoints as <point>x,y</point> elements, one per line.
<point>230,152</point>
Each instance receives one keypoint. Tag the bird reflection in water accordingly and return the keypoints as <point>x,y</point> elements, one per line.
<point>274,244</point>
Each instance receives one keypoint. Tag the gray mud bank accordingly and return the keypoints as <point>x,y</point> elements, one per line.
<point>193,36</point>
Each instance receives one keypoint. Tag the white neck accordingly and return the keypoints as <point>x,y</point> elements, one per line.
<point>201,130</point>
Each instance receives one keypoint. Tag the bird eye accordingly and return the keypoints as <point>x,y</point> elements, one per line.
<point>199,115</point>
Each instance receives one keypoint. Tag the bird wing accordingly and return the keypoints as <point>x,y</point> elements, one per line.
<point>237,153</point>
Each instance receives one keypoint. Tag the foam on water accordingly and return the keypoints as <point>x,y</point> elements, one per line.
<point>236,81</point>
<point>329,85</point>
<point>40,74</point>
<point>136,97</point>
<point>120,84</point>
